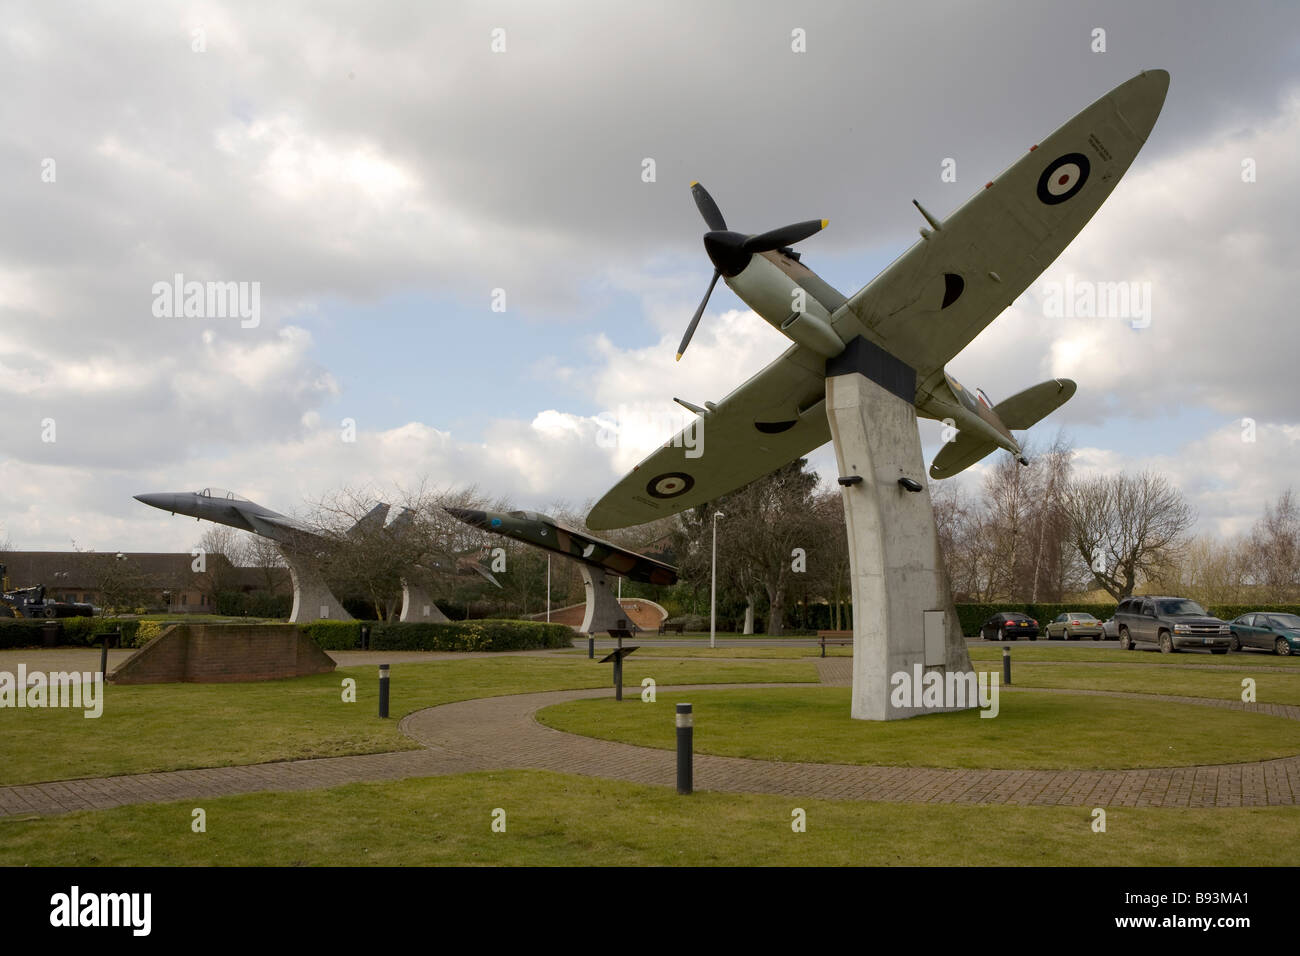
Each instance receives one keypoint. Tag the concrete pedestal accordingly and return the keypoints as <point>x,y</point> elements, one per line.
<point>603,609</point>
<point>904,620</point>
<point>312,598</point>
<point>418,606</point>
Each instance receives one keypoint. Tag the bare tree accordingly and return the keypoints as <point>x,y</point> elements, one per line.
<point>832,558</point>
<point>1129,528</point>
<point>1215,571</point>
<point>222,541</point>
<point>1051,565</point>
<point>763,525</point>
<point>1274,550</point>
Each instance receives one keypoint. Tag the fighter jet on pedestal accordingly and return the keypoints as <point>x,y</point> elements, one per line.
<point>312,598</point>
<point>598,560</point>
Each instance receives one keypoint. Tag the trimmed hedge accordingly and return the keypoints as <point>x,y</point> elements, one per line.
<point>973,616</point>
<point>1229,611</point>
<point>20,632</point>
<point>334,635</point>
<point>75,631</point>
<point>477,635</point>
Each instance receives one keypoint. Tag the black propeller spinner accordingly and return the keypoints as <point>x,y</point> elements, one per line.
<point>730,252</point>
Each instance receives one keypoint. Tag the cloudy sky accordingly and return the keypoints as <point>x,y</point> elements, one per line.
<point>382,177</point>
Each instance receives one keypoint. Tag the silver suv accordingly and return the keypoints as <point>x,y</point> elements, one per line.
<point>1171,624</point>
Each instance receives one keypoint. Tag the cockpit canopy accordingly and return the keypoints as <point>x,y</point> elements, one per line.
<point>220,493</point>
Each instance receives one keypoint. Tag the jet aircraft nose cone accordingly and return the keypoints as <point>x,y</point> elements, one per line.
<point>161,499</point>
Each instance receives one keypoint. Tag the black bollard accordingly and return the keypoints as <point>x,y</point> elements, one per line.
<point>365,638</point>
<point>383,690</point>
<point>618,677</point>
<point>685,744</point>
<point>1006,664</point>
<point>103,658</point>
<point>591,648</point>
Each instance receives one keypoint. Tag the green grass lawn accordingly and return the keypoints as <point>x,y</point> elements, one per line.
<point>178,726</point>
<point>559,820</point>
<point>1272,685</point>
<point>1032,731</point>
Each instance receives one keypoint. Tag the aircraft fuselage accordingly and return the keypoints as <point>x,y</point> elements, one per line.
<point>776,286</point>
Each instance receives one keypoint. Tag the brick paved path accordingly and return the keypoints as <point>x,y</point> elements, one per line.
<point>501,733</point>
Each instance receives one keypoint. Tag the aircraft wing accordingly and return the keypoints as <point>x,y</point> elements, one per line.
<point>924,308</point>
<point>935,298</point>
<point>276,525</point>
<point>1034,404</point>
<point>959,454</point>
<point>775,417</point>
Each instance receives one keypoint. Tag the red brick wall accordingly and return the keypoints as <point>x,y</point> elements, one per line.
<point>223,653</point>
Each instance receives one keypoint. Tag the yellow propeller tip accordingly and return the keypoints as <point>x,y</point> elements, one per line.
<point>825,223</point>
<point>694,183</point>
<point>679,357</point>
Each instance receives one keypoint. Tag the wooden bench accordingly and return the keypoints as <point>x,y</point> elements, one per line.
<point>677,628</point>
<point>840,638</point>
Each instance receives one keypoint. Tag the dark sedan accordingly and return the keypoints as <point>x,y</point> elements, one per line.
<point>1279,633</point>
<point>1009,626</point>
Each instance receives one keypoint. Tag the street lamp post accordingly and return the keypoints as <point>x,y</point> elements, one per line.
<point>713,585</point>
<point>548,589</point>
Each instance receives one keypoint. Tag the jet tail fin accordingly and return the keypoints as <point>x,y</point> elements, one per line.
<point>1034,404</point>
<point>372,519</point>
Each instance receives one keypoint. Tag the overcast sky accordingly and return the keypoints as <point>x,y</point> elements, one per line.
<point>379,172</point>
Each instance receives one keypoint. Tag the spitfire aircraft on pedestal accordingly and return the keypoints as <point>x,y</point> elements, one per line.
<point>863,368</point>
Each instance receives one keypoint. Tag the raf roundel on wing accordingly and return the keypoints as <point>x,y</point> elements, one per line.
<point>1063,177</point>
<point>670,485</point>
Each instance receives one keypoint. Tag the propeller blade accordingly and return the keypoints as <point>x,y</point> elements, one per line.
<point>690,329</point>
<point>785,236</point>
<point>708,208</point>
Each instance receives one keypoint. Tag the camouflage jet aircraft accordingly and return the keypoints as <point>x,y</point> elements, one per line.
<point>550,535</point>
<point>912,319</point>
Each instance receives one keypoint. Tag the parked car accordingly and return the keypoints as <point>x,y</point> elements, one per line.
<point>1279,633</point>
<point>1072,625</point>
<point>1009,626</point>
<point>1110,629</point>
<point>1171,624</point>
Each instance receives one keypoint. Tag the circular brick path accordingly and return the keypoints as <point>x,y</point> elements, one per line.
<point>502,733</point>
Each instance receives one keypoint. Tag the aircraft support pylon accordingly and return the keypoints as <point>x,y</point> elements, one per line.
<point>312,598</point>
<point>418,606</point>
<point>903,612</point>
<point>603,610</point>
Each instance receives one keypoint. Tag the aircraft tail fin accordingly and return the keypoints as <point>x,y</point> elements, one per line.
<point>1034,404</point>
<point>370,520</point>
<point>1017,413</point>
